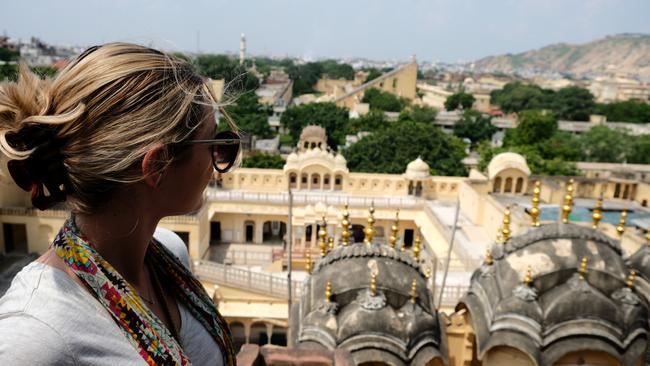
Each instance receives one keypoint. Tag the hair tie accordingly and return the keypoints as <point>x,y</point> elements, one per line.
<point>43,168</point>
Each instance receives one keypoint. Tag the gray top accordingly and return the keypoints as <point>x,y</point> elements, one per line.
<point>48,319</point>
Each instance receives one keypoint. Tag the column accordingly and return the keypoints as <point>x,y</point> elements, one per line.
<point>269,332</point>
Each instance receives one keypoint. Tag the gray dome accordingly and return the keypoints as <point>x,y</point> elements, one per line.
<point>386,326</point>
<point>563,309</point>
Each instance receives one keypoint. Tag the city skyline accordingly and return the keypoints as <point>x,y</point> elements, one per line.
<point>438,30</point>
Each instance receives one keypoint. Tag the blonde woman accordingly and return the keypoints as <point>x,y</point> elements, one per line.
<point>124,136</point>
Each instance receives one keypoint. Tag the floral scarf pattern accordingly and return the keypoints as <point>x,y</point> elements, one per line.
<point>143,329</point>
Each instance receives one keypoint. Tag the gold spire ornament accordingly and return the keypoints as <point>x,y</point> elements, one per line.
<point>309,265</point>
<point>345,226</point>
<point>568,202</point>
<point>414,291</point>
<point>534,210</point>
<point>620,228</point>
<point>583,268</point>
<point>394,231</point>
<point>370,230</point>
<point>505,228</point>
<point>597,213</point>
<point>373,284</point>
<point>416,245</point>
<point>647,236</point>
<point>528,277</point>
<point>330,244</point>
<point>630,279</point>
<point>489,260</point>
<point>322,238</point>
<point>328,291</point>
<point>427,272</point>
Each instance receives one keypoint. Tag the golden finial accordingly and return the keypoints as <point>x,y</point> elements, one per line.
<point>489,260</point>
<point>568,202</point>
<point>583,268</point>
<point>416,245</point>
<point>345,225</point>
<point>328,291</point>
<point>373,284</point>
<point>394,231</point>
<point>309,264</point>
<point>427,272</point>
<point>528,277</point>
<point>370,230</point>
<point>505,228</point>
<point>647,236</point>
<point>620,228</point>
<point>330,244</point>
<point>630,279</point>
<point>534,210</point>
<point>414,291</point>
<point>597,214</point>
<point>322,238</point>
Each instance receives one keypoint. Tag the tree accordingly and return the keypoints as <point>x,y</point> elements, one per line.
<point>606,145</point>
<point>8,55</point>
<point>515,97</point>
<point>251,116</point>
<point>561,145</point>
<point>304,77</point>
<point>389,150</point>
<point>640,151</point>
<point>475,126</point>
<point>634,111</point>
<point>327,115</point>
<point>419,114</point>
<point>335,70</point>
<point>224,67</point>
<point>460,99</point>
<point>384,101</point>
<point>263,161</point>
<point>372,121</point>
<point>532,127</point>
<point>373,73</point>
<point>573,104</point>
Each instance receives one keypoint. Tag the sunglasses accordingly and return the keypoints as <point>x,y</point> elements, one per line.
<point>225,147</point>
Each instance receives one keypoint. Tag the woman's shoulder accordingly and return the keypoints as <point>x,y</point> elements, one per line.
<point>46,310</point>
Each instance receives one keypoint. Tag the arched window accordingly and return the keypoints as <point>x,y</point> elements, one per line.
<point>520,185</point>
<point>315,181</point>
<point>238,335</point>
<point>508,186</point>
<point>249,231</point>
<point>293,180</point>
<point>327,184</point>
<point>497,185</point>
<point>617,190</point>
<point>338,182</point>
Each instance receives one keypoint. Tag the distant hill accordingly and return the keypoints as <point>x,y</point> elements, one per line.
<point>627,53</point>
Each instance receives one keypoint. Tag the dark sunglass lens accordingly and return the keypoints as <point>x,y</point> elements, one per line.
<point>225,153</point>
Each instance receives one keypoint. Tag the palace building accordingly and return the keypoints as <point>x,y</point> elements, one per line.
<point>411,268</point>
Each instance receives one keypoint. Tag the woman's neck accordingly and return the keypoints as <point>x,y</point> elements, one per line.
<point>121,234</point>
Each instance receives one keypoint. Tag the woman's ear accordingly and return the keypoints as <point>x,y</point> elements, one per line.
<point>152,165</point>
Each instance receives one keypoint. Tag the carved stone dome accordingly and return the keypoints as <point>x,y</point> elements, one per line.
<point>392,321</point>
<point>555,289</point>
<point>417,170</point>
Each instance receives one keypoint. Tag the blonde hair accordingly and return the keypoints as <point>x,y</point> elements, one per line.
<point>107,108</point>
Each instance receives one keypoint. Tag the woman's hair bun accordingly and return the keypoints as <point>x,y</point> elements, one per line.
<point>29,138</point>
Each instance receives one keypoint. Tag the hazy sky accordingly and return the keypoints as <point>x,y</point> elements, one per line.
<point>443,30</point>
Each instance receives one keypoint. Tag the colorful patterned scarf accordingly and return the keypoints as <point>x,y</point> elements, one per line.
<point>144,330</point>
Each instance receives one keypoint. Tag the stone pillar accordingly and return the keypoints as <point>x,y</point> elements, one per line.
<point>269,331</point>
<point>247,330</point>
